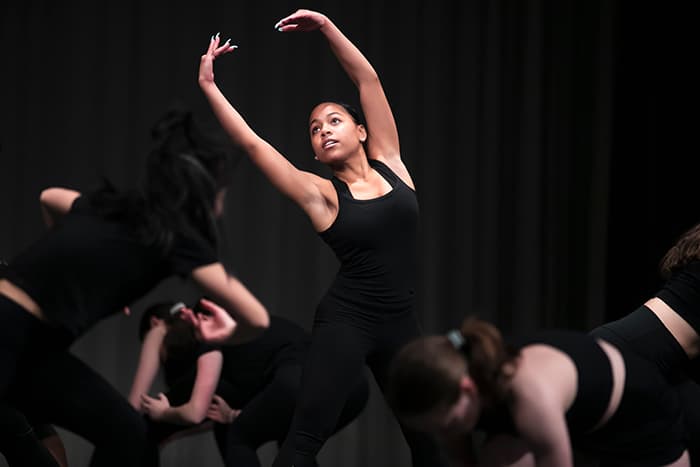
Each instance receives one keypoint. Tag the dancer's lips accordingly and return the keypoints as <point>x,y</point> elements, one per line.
<point>329,143</point>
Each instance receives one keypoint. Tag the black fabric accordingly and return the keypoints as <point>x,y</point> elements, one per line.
<point>267,416</point>
<point>250,366</point>
<point>19,333</point>
<point>365,316</point>
<point>80,271</point>
<point>246,367</point>
<point>594,383</point>
<point>340,347</point>
<point>263,379</point>
<point>644,334</point>
<point>19,444</point>
<point>45,382</point>
<point>375,241</point>
<point>83,402</point>
<point>647,429</point>
<point>682,293</point>
<point>86,268</point>
<point>44,430</point>
<point>183,366</point>
<point>505,113</point>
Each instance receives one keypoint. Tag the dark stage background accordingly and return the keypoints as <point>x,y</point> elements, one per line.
<point>541,136</point>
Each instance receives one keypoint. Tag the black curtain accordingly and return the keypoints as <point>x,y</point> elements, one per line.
<point>653,174</point>
<point>521,121</point>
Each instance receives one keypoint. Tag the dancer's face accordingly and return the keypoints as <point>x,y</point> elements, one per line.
<point>454,419</point>
<point>334,134</point>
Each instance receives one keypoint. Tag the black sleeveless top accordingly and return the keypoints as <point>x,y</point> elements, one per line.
<point>86,268</point>
<point>682,293</point>
<point>375,242</point>
<point>594,384</point>
<point>246,367</point>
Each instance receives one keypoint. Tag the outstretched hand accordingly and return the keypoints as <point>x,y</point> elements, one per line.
<point>301,20</point>
<point>206,64</point>
<point>215,327</point>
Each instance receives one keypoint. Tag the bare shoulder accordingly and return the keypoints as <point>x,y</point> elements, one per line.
<point>545,373</point>
<point>322,207</point>
<point>398,167</point>
<point>58,198</point>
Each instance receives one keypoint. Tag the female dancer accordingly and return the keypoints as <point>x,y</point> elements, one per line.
<point>537,399</point>
<point>104,251</point>
<point>260,378</point>
<point>368,214</point>
<point>663,334</point>
<point>666,329</point>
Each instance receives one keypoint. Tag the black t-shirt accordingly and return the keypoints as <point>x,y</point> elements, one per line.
<point>86,268</point>
<point>246,367</point>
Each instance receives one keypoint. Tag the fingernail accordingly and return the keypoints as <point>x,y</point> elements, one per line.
<point>212,38</point>
<point>233,47</point>
<point>277,25</point>
<point>279,29</point>
<point>217,35</point>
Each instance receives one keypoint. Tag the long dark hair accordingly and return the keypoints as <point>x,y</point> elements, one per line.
<point>184,173</point>
<point>686,250</point>
<point>426,373</point>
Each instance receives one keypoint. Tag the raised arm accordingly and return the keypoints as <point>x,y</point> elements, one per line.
<point>149,363</point>
<point>55,202</point>
<point>383,138</point>
<point>193,411</point>
<point>302,187</point>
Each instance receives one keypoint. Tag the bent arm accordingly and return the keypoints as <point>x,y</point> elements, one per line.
<point>250,315</point>
<point>300,186</point>
<point>149,363</point>
<point>383,137</point>
<point>194,411</point>
<point>56,202</point>
<point>541,423</point>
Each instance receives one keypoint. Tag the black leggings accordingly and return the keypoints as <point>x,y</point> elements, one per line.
<point>42,379</point>
<point>641,333</point>
<point>266,417</point>
<point>19,443</point>
<point>340,347</point>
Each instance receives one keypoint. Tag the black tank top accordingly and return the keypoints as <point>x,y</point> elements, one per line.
<point>375,242</point>
<point>682,293</point>
<point>594,384</point>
